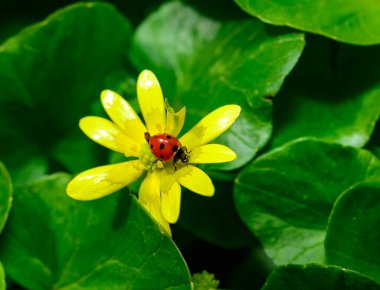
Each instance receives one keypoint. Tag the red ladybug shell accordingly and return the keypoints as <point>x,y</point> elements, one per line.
<point>164,146</point>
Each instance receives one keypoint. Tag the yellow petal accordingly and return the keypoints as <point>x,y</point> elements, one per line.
<point>174,121</point>
<point>150,188</point>
<point>211,153</point>
<point>211,126</point>
<point>195,180</point>
<point>171,203</point>
<point>107,134</point>
<point>150,198</point>
<point>123,115</point>
<point>151,102</point>
<point>103,180</point>
<point>167,178</point>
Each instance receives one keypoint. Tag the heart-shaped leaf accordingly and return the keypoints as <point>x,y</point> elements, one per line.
<point>352,21</point>
<point>104,244</point>
<point>353,236</point>
<point>317,277</point>
<point>286,196</point>
<point>332,94</point>
<point>51,72</point>
<point>204,63</point>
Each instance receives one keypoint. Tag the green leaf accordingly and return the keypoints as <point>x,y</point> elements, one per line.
<point>3,285</point>
<point>354,21</point>
<point>374,143</point>
<point>104,244</point>
<point>5,196</point>
<point>77,153</point>
<point>317,277</point>
<point>203,64</point>
<point>51,72</point>
<point>5,207</point>
<point>12,26</point>
<point>333,94</point>
<point>285,196</point>
<point>353,236</point>
<point>32,168</point>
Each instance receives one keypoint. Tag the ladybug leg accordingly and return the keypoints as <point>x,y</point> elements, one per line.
<point>155,162</point>
<point>185,156</point>
<point>185,149</point>
<point>181,154</point>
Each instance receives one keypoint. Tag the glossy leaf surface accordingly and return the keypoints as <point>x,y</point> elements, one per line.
<point>105,244</point>
<point>316,277</point>
<point>352,21</point>
<point>204,64</point>
<point>332,94</point>
<point>49,75</point>
<point>5,195</point>
<point>353,236</point>
<point>286,196</point>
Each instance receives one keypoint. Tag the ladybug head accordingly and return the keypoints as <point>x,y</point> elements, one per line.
<point>147,136</point>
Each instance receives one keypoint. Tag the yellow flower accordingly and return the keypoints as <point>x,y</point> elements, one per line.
<point>160,190</point>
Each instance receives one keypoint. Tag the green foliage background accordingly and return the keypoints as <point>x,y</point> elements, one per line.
<point>300,207</point>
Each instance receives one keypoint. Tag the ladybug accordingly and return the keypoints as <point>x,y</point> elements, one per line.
<point>167,147</point>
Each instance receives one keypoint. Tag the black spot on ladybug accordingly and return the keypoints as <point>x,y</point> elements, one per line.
<point>162,156</point>
<point>162,146</point>
<point>168,137</point>
<point>175,148</point>
<point>151,146</point>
